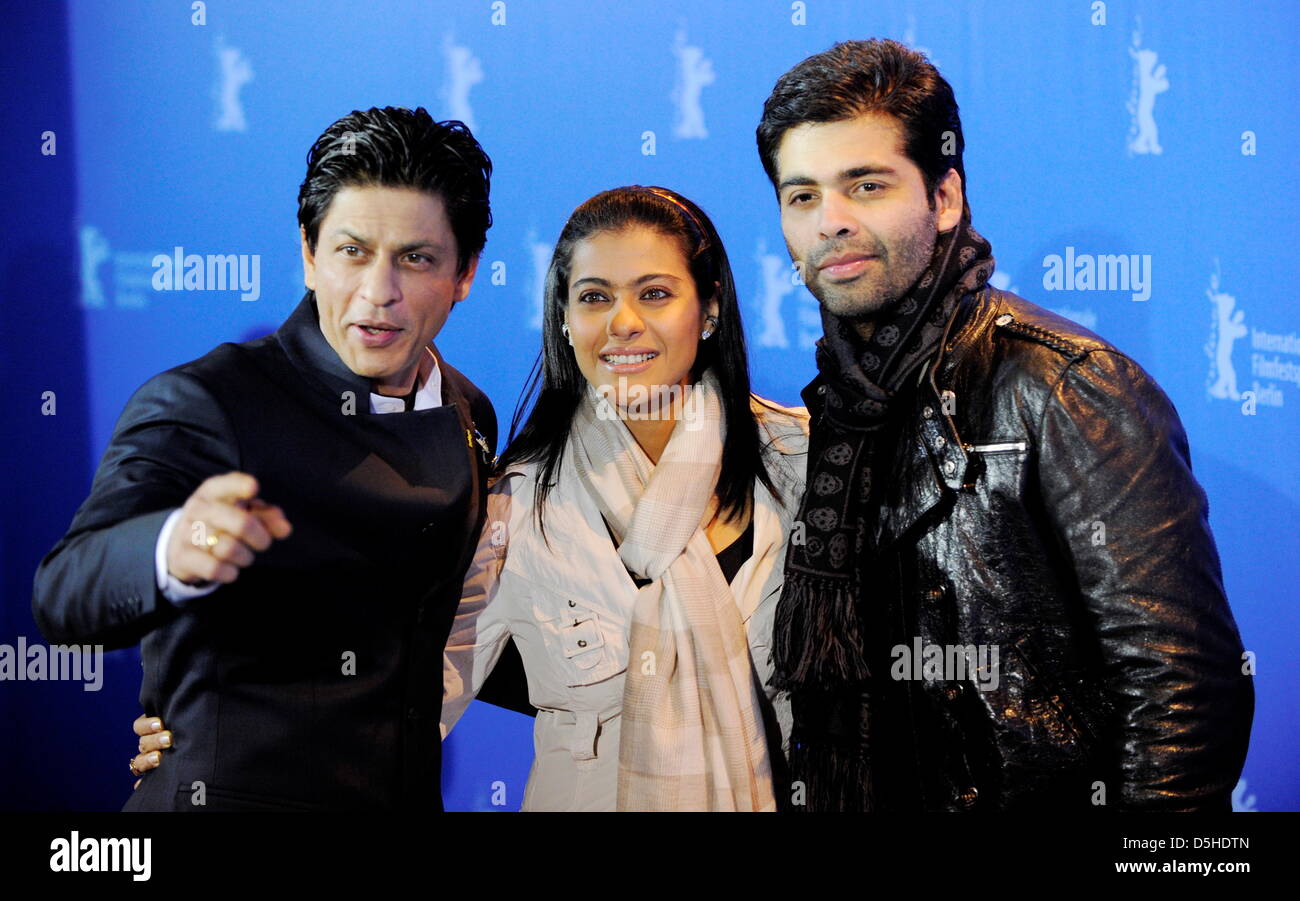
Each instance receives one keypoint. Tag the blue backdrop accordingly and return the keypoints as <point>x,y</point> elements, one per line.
<point>1155,131</point>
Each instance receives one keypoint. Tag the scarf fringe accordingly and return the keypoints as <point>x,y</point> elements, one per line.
<point>817,636</point>
<point>835,779</point>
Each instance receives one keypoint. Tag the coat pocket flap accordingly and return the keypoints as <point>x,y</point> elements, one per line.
<point>579,640</point>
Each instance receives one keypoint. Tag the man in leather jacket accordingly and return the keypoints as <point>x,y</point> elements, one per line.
<point>1036,615</point>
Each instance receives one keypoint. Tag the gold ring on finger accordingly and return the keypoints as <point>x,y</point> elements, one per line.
<point>211,541</point>
<point>134,771</point>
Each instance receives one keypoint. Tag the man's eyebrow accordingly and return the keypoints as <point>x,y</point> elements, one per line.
<point>796,181</point>
<point>351,236</point>
<point>860,171</point>
<point>844,175</point>
<point>422,244</point>
<point>604,283</point>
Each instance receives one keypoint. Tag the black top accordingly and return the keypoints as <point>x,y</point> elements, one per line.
<point>732,557</point>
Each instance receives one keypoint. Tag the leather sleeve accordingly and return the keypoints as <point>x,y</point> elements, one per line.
<point>98,585</point>
<point>1116,480</point>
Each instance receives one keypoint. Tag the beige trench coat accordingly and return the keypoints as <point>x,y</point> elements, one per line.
<point>568,608</point>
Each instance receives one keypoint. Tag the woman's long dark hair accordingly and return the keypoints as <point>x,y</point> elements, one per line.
<point>556,385</point>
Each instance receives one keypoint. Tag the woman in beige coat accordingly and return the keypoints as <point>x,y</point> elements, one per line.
<point>648,666</point>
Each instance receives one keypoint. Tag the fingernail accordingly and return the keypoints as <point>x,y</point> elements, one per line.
<point>153,758</point>
<point>155,725</point>
<point>165,740</point>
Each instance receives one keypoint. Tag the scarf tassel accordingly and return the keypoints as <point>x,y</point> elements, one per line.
<point>817,639</point>
<point>836,779</point>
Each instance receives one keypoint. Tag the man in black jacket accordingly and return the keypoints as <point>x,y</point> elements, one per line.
<point>285,524</point>
<point>1003,593</point>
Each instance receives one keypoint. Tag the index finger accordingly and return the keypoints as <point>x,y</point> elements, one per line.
<point>229,487</point>
<point>271,517</point>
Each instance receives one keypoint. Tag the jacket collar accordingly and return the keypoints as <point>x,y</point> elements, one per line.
<point>968,323</point>
<point>303,341</point>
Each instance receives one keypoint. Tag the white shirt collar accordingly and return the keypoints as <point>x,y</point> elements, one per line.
<point>428,397</point>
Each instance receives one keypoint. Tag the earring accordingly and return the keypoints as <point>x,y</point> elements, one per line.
<point>713,324</point>
<point>565,329</point>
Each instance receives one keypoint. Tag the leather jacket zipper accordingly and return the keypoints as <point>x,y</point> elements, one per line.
<point>1002,448</point>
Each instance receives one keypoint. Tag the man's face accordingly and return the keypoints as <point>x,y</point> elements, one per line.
<point>855,214</point>
<point>385,278</point>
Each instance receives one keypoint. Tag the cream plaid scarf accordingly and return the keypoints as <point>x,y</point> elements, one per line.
<point>692,737</point>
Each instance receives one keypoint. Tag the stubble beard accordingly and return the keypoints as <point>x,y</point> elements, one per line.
<point>885,282</point>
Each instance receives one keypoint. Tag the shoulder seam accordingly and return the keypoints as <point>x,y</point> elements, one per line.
<point>1046,337</point>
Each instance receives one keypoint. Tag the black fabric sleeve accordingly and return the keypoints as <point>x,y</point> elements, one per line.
<point>98,585</point>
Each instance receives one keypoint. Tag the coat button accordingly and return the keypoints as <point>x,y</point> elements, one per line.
<point>582,642</point>
<point>939,442</point>
<point>949,467</point>
<point>412,713</point>
<point>1004,319</point>
<point>928,412</point>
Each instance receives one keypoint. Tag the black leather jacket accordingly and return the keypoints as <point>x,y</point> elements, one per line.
<point>1042,505</point>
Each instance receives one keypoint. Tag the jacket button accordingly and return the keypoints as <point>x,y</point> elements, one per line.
<point>928,412</point>
<point>582,642</point>
<point>939,442</point>
<point>949,467</point>
<point>412,713</point>
<point>1004,319</point>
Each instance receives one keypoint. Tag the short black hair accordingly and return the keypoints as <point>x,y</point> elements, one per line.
<point>854,78</point>
<point>395,147</point>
